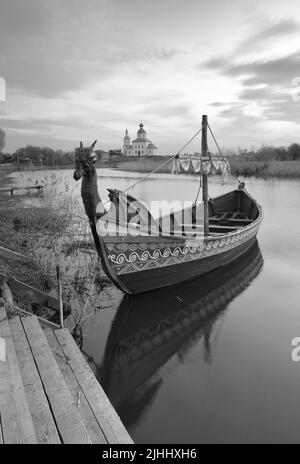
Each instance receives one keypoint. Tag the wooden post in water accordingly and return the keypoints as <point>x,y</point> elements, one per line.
<point>61,306</point>
<point>204,157</point>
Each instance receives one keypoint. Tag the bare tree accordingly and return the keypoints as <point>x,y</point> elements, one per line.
<point>2,139</point>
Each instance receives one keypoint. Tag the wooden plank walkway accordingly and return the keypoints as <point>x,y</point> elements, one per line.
<point>48,392</point>
<point>38,188</point>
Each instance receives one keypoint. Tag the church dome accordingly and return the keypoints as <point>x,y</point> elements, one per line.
<point>141,129</point>
<point>152,146</point>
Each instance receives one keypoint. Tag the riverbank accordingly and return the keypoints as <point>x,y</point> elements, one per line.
<point>46,230</point>
<point>4,176</point>
<point>265,169</point>
<point>239,167</point>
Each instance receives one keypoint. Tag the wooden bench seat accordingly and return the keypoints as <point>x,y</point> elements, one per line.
<point>241,222</point>
<point>226,228</point>
<point>229,218</point>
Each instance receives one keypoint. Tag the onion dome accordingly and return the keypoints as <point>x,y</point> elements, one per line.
<point>141,129</point>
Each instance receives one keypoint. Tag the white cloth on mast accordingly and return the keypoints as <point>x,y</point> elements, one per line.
<point>205,167</point>
<point>185,164</point>
<point>195,164</point>
<point>176,166</point>
<point>225,170</point>
<point>215,166</point>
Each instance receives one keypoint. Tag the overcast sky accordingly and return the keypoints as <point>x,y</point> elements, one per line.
<point>88,69</point>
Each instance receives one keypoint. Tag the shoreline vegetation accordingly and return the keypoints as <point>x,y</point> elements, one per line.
<point>264,161</point>
<point>239,167</point>
<point>48,231</point>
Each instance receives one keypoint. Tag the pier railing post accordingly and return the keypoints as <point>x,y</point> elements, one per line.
<point>61,307</point>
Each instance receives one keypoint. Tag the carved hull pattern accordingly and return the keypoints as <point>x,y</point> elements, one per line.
<point>139,260</point>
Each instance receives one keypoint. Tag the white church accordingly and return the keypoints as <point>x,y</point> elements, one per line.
<point>141,146</point>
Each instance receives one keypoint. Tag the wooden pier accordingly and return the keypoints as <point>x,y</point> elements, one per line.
<point>48,392</point>
<point>11,190</point>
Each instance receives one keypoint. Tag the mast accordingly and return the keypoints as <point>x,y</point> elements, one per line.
<point>204,157</point>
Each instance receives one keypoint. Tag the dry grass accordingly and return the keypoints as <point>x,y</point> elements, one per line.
<point>145,165</point>
<point>284,169</point>
<point>52,230</point>
<point>239,167</point>
<point>265,168</point>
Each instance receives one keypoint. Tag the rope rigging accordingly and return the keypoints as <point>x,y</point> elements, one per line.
<point>221,154</point>
<point>177,156</point>
<point>164,163</point>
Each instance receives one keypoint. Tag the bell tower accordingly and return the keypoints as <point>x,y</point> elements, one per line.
<point>126,142</point>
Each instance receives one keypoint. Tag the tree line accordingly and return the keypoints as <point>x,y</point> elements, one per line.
<point>269,153</point>
<point>38,156</point>
<point>45,156</point>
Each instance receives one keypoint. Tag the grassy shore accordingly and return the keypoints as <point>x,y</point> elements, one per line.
<point>265,168</point>
<point>239,167</point>
<point>50,230</point>
<point>4,176</point>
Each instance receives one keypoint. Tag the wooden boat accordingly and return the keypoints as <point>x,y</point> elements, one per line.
<point>148,330</point>
<point>136,250</point>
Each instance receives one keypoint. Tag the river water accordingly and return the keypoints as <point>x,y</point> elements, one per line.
<point>209,361</point>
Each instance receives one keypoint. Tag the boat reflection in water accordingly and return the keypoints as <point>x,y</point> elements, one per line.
<point>150,329</point>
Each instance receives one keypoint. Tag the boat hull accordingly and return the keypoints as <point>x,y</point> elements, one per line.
<point>151,279</point>
<point>138,264</point>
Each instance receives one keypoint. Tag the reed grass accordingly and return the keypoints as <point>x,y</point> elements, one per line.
<point>265,168</point>
<point>239,167</point>
<point>145,165</point>
<point>52,230</point>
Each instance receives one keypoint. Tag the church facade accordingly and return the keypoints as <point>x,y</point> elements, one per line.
<point>141,146</point>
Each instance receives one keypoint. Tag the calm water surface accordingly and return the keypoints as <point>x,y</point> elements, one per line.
<point>209,361</point>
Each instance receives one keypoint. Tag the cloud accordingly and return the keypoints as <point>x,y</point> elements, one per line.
<point>88,69</point>
<point>50,50</point>
<point>256,94</point>
<point>281,109</point>
<point>216,63</point>
<point>273,31</point>
<point>253,71</point>
<point>266,89</point>
<point>167,109</point>
<point>43,122</point>
<point>278,71</point>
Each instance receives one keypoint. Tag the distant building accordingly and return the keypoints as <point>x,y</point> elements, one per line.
<point>101,155</point>
<point>115,153</point>
<point>141,146</point>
